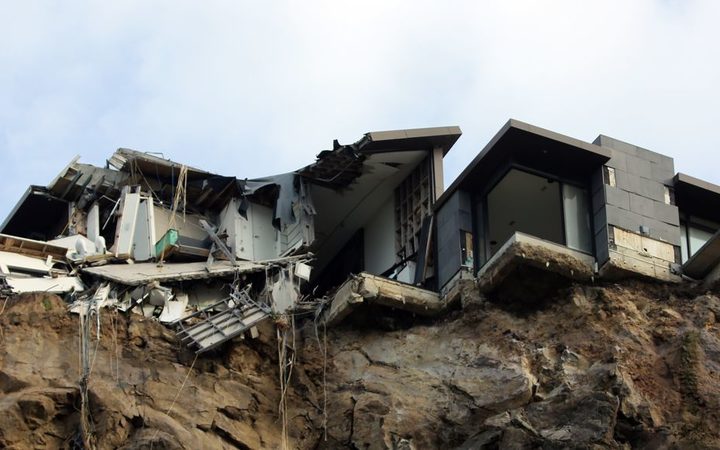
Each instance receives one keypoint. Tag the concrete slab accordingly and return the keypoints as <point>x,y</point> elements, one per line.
<point>367,288</point>
<point>143,273</point>
<point>525,250</point>
<point>632,255</point>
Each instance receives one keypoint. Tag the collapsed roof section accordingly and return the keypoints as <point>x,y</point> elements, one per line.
<point>165,239</point>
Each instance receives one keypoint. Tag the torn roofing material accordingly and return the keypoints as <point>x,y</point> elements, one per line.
<point>339,167</point>
<point>31,247</point>
<point>143,273</point>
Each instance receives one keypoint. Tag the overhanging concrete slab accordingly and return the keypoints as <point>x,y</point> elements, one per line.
<point>143,273</point>
<point>523,250</point>
<point>367,288</point>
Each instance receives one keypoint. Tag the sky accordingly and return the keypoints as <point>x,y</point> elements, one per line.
<point>256,88</point>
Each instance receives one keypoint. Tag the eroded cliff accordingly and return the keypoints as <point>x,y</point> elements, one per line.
<point>630,365</point>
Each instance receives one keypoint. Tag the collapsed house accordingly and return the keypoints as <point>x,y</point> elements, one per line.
<point>366,223</point>
<point>213,255</point>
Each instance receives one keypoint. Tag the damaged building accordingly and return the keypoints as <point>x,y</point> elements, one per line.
<point>367,223</point>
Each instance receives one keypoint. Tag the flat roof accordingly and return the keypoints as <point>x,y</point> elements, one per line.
<point>531,146</point>
<point>410,139</point>
<point>697,197</point>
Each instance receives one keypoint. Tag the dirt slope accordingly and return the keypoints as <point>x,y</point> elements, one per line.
<point>629,365</point>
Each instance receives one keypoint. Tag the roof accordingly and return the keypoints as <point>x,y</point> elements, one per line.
<point>697,197</point>
<point>341,166</point>
<point>533,147</point>
<point>410,139</point>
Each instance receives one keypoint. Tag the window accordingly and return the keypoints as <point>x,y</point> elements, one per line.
<point>576,206</point>
<point>539,206</point>
<point>694,233</point>
<point>413,202</point>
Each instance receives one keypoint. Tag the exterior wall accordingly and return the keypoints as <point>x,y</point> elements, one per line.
<point>455,215</point>
<point>598,201</point>
<point>380,240</point>
<point>638,198</point>
<point>637,202</point>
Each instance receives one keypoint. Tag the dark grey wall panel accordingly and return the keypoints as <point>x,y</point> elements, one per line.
<point>639,167</point>
<point>667,213</point>
<point>598,200</point>
<point>454,215</point>
<point>617,197</point>
<point>662,173</point>
<point>631,221</point>
<point>641,205</point>
<point>602,252</point>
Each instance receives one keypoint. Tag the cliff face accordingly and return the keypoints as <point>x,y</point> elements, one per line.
<point>628,365</point>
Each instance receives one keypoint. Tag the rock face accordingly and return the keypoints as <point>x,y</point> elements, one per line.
<point>627,365</point>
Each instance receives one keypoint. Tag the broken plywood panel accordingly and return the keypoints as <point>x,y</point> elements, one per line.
<point>30,247</point>
<point>143,273</point>
<point>643,244</point>
<point>525,250</point>
<point>382,291</point>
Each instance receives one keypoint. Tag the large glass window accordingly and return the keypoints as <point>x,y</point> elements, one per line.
<point>539,206</point>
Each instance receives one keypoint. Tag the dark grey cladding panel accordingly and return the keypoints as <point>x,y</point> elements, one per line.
<point>607,141</point>
<point>449,218</point>
<point>634,150</point>
<point>617,197</point>
<point>632,221</point>
<point>600,219</point>
<point>641,205</point>
<point>657,158</point>
<point>602,251</point>
<point>618,160</point>
<point>596,180</point>
<point>666,213</point>
<point>663,174</point>
<point>598,200</point>
<point>642,186</point>
<point>638,166</point>
<point>464,211</point>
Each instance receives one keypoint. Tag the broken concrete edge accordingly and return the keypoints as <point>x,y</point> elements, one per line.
<point>365,287</point>
<point>523,249</point>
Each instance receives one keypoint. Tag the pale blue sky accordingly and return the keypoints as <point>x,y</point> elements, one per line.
<point>250,89</point>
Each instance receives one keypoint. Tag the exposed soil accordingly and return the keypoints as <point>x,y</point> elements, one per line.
<point>630,365</point>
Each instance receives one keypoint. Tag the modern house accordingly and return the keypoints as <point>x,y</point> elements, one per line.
<point>612,207</point>
<point>367,222</point>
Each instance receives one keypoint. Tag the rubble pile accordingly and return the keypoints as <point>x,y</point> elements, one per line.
<point>139,235</point>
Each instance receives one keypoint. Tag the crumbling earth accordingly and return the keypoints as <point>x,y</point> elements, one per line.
<point>628,365</point>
